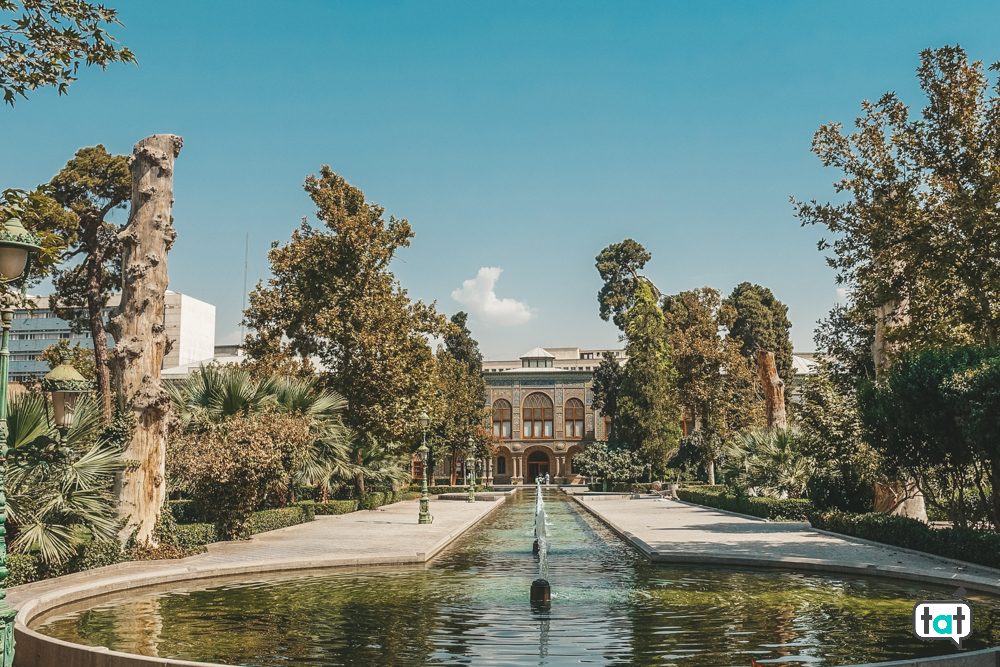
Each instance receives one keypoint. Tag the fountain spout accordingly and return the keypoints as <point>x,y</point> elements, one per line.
<point>541,593</point>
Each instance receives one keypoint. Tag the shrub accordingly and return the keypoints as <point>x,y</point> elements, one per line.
<point>184,511</point>
<point>620,487</point>
<point>973,546</point>
<point>848,491</point>
<point>196,534</point>
<point>371,500</point>
<point>21,569</point>
<point>336,507</point>
<point>229,466</point>
<point>435,490</point>
<point>262,522</point>
<point>408,495</point>
<point>775,509</point>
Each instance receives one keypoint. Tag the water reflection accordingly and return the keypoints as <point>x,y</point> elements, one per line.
<point>470,607</point>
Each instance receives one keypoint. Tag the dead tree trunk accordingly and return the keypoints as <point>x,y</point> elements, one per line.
<point>138,330</point>
<point>774,390</point>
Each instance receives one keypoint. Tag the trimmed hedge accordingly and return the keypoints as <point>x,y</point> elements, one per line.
<point>775,509</point>
<point>973,546</point>
<point>620,487</point>
<point>190,535</point>
<point>197,534</point>
<point>435,490</point>
<point>337,507</point>
<point>25,568</point>
<point>183,511</point>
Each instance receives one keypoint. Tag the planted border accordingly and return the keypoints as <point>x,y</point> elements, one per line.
<point>973,546</point>
<point>774,509</point>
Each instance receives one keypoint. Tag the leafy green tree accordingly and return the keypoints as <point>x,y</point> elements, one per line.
<point>648,411</point>
<point>845,340</point>
<point>57,491</point>
<point>460,411</point>
<point>82,196</point>
<point>714,382</point>
<point>771,462</point>
<point>81,358</point>
<point>916,223</point>
<point>613,462</point>
<point>760,322</point>
<point>933,419</point>
<point>462,346</point>
<point>607,382</point>
<point>332,295</point>
<point>46,41</point>
<point>619,265</point>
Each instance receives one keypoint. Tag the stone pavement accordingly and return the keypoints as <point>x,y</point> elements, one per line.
<point>678,532</point>
<point>388,535</point>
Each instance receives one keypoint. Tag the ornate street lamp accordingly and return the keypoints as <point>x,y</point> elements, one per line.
<point>17,245</point>
<point>425,514</point>
<point>470,465</point>
<point>65,384</point>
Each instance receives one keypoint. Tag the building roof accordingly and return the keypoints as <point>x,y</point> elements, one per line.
<point>538,353</point>
<point>804,363</point>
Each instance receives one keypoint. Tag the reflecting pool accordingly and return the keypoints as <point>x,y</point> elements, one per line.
<point>470,607</point>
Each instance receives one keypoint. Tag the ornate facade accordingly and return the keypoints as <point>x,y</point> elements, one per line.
<point>543,414</point>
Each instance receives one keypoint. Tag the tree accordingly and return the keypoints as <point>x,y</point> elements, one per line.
<point>771,462</point>
<point>916,239</point>
<point>460,410</point>
<point>610,461</point>
<point>618,265</point>
<point>845,339</point>
<point>462,346</point>
<point>46,44</point>
<point>648,412</point>
<point>138,329</point>
<point>933,419</point>
<point>760,322</point>
<point>91,185</point>
<point>81,358</point>
<point>607,382</point>
<point>714,381</point>
<point>333,296</point>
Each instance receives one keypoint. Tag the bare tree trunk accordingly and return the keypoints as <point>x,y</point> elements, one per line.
<point>711,473</point>
<point>774,390</point>
<point>140,338</point>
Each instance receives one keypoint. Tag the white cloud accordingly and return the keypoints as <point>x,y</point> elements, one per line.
<point>843,294</point>
<point>478,296</point>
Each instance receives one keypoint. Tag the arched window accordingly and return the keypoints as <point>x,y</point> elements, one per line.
<point>574,418</point>
<point>537,416</point>
<point>501,419</point>
<point>501,465</point>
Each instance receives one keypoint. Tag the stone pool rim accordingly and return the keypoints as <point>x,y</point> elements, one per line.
<point>37,650</point>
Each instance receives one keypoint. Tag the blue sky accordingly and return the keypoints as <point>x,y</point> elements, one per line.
<point>519,138</point>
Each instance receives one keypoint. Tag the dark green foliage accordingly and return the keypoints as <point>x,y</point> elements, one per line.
<point>435,490</point>
<point>648,411</point>
<point>761,322</point>
<point>607,381</point>
<point>184,511</point>
<point>775,509</point>
<point>845,338</point>
<point>196,534</point>
<point>934,418</point>
<point>618,265</point>
<point>462,346</point>
<point>973,546</point>
<point>21,569</point>
<point>337,507</point>
<point>25,568</point>
<point>620,487</point>
<point>371,501</point>
<point>847,491</point>
<point>262,522</point>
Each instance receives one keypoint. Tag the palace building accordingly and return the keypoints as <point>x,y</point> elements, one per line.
<point>543,412</point>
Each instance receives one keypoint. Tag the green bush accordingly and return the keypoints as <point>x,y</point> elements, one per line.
<point>435,490</point>
<point>974,546</point>
<point>620,487</point>
<point>336,507</point>
<point>184,511</point>
<point>21,569</point>
<point>371,500</point>
<point>196,534</point>
<point>847,492</point>
<point>408,495</point>
<point>775,509</point>
<point>262,522</point>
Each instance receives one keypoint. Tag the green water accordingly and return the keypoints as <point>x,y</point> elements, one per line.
<point>470,607</point>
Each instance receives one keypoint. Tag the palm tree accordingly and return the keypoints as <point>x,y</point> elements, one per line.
<point>58,492</point>
<point>217,392</point>
<point>770,462</point>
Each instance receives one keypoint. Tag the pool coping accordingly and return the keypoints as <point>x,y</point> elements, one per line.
<point>34,649</point>
<point>983,658</point>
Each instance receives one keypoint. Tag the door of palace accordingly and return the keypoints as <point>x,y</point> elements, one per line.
<point>538,465</point>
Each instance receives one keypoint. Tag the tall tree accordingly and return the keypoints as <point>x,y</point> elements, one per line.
<point>46,41</point>
<point>333,296</point>
<point>845,338</point>
<point>648,411</point>
<point>91,185</point>
<point>462,346</point>
<point>607,382</point>
<point>141,342</point>
<point>760,322</point>
<point>460,411</point>
<point>714,381</point>
<point>918,227</point>
<point>619,266</point>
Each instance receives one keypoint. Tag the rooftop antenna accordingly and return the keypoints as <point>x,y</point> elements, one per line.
<point>246,261</point>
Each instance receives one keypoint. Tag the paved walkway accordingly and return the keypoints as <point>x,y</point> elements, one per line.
<point>388,535</point>
<point>673,531</point>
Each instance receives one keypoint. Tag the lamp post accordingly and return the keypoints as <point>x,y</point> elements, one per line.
<point>17,245</point>
<point>65,384</point>
<point>470,465</point>
<point>425,514</point>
